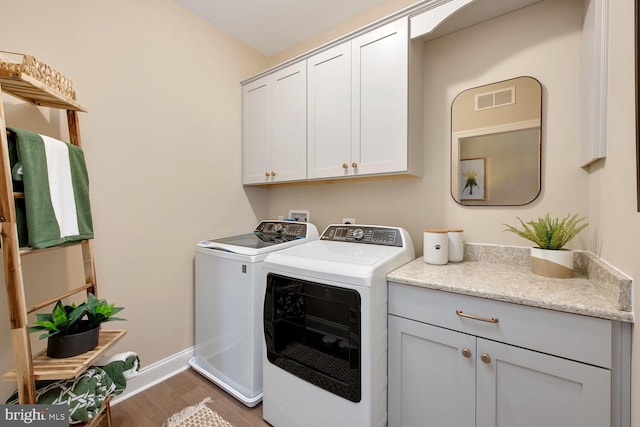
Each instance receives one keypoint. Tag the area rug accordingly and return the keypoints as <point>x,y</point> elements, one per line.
<point>199,415</point>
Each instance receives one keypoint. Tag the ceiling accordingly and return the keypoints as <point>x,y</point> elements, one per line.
<point>270,26</point>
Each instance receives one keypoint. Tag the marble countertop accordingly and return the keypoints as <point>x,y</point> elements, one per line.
<point>501,273</point>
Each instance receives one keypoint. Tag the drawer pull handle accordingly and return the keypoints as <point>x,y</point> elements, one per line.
<point>482,319</point>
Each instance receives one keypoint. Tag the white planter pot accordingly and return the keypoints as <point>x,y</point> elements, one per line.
<point>552,263</point>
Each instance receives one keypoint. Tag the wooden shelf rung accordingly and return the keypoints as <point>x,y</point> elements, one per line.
<point>59,297</point>
<point>31,90</point>
<point>29,251</point>
<point>46,368</point>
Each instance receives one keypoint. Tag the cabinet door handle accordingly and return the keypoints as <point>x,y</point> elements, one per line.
<point>485,358</point>
<point>354,165</point>
<point>345,166</point>
<point>266,174</point>
<point>273,174</point>
<point>466,352</point>
<point>482,319</point>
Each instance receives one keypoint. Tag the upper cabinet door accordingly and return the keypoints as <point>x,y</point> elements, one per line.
<point>380,100</point>
<point>329,112</point>
<point>255,132</point>
<point>274,127</point>
<point>289,123</point>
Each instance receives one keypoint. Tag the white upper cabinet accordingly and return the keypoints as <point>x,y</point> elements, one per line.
<point>289,123</point>
<point>274,127</point>
<point>344,111</point>
<point>379,131</point>
<point>358,108</point>
<point>329,112</point>
<point>255,129</point>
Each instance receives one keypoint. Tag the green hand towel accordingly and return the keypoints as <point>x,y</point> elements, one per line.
<point>56,189</point>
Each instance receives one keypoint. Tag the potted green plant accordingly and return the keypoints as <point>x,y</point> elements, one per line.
<point>549,258</point>
<point>74,329</point>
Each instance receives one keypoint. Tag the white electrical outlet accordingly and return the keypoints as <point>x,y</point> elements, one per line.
<point>300,215</point>
<point>348,220</point>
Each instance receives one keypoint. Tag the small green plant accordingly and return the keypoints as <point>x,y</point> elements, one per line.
<point>550,233</point>
<point>72,319</point>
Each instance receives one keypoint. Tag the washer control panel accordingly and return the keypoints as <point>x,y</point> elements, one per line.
<point>295,230</point>
<point>353,233</point>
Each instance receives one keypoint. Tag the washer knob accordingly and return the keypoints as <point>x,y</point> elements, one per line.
<point>278,228</point>
<point>358,234</point>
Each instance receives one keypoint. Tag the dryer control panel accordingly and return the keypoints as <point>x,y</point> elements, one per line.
<point>353,233</point>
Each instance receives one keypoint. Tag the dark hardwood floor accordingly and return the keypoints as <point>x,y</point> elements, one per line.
<point>152,407</point>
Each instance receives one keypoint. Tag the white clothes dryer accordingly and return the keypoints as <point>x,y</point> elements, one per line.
<point>325,327</point>
<point>229,292</point>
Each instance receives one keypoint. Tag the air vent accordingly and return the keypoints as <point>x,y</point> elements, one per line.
<point>496,98</point>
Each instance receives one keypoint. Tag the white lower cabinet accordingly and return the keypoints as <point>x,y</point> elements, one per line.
<point>524,388</point>
<point>448,374</point>
<point>430,382</point>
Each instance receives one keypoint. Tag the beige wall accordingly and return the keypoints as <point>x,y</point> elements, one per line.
<point>387,8</point>
<point>163,143</point>
<point>163,146</point>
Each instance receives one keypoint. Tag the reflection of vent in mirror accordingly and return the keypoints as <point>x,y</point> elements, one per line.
<point>496,98</point>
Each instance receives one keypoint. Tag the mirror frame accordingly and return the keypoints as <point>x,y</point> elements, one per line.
<point>455,147</point>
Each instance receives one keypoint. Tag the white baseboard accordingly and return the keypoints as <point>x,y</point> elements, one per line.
<point>155,374</point>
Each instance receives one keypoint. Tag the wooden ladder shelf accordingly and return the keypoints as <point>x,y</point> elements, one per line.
<point>19,82</point>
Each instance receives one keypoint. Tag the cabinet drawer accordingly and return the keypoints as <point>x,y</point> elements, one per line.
<point>582,338</point>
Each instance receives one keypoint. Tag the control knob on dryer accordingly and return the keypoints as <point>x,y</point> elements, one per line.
<point>278,228</point>
<point>358,234</point>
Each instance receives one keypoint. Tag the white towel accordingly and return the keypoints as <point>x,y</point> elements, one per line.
<point>61,186</point>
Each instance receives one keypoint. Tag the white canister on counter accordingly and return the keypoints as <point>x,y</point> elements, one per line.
<point>456,245</point>
<point>436,246</point>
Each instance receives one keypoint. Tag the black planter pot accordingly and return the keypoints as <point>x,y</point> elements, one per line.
<point>60,346</point>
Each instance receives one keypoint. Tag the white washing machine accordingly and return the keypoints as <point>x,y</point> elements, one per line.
<point>325,327</point>
<point>229,292</point>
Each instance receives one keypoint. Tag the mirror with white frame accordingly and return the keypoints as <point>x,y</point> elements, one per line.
<point>496,143</point>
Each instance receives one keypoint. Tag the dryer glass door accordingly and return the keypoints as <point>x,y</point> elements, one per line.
<point>312,330</point>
